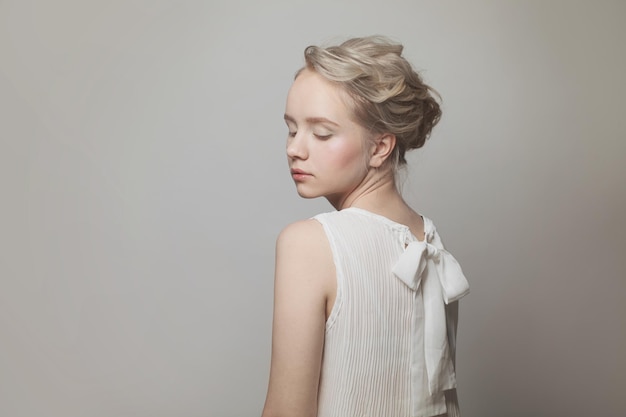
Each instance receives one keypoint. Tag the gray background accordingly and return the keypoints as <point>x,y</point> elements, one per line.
<point>143,182</point>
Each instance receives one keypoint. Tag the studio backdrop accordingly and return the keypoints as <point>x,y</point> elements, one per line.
<point>143,182</point>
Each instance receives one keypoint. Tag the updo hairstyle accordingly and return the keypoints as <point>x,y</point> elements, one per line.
<point>387,95</point>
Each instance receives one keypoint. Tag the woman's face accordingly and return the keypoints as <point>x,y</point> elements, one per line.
<point>327,151</point>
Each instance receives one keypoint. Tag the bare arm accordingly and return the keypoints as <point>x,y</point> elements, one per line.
<point>304,277</point>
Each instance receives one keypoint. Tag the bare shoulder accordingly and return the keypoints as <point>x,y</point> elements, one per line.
<point>303,250</point>
<point>303,232</point>
<point>304,240</point>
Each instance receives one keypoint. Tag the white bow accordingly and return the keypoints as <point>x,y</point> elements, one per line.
<point>442,281</point>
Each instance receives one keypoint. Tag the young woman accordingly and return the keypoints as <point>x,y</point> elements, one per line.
<point>365,307</point>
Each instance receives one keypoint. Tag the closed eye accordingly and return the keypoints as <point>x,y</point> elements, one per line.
<point>292,134</point>
<point>323,137</point>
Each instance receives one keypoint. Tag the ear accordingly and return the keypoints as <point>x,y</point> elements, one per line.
<point>381,149</point>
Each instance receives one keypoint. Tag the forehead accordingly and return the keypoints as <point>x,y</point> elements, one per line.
<point>311,95</point>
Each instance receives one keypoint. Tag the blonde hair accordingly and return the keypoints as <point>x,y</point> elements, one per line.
<point>387,95</point>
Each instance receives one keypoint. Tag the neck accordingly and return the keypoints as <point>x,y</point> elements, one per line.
<point>376,192</point>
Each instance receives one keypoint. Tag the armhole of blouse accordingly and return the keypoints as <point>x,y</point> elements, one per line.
<point>334,312</point>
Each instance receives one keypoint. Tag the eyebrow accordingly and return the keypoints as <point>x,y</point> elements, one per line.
<point>312,120</point>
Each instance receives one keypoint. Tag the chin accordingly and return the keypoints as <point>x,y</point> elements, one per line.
<point>308,194</point>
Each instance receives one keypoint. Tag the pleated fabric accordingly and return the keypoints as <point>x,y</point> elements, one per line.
<point>374,360</point>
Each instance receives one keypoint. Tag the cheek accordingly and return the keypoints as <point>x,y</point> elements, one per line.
<point>346,153</point>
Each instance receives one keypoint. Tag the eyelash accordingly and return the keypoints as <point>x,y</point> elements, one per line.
<point>320,137</point>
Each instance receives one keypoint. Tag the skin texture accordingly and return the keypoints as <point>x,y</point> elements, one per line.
<point>331,156</point>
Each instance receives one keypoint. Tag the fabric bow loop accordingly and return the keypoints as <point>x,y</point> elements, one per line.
<point>412,263</point>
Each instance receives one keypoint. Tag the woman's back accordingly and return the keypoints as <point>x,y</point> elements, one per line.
<point>374,351</point>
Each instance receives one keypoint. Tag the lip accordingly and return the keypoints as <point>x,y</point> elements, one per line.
<point>299,175</point>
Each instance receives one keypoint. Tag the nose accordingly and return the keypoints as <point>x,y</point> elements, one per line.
<point>296,147</point>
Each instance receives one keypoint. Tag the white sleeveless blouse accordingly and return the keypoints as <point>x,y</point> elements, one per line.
<point>391,336</point>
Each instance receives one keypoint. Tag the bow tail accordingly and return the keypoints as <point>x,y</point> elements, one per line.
<point>439,366</point>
